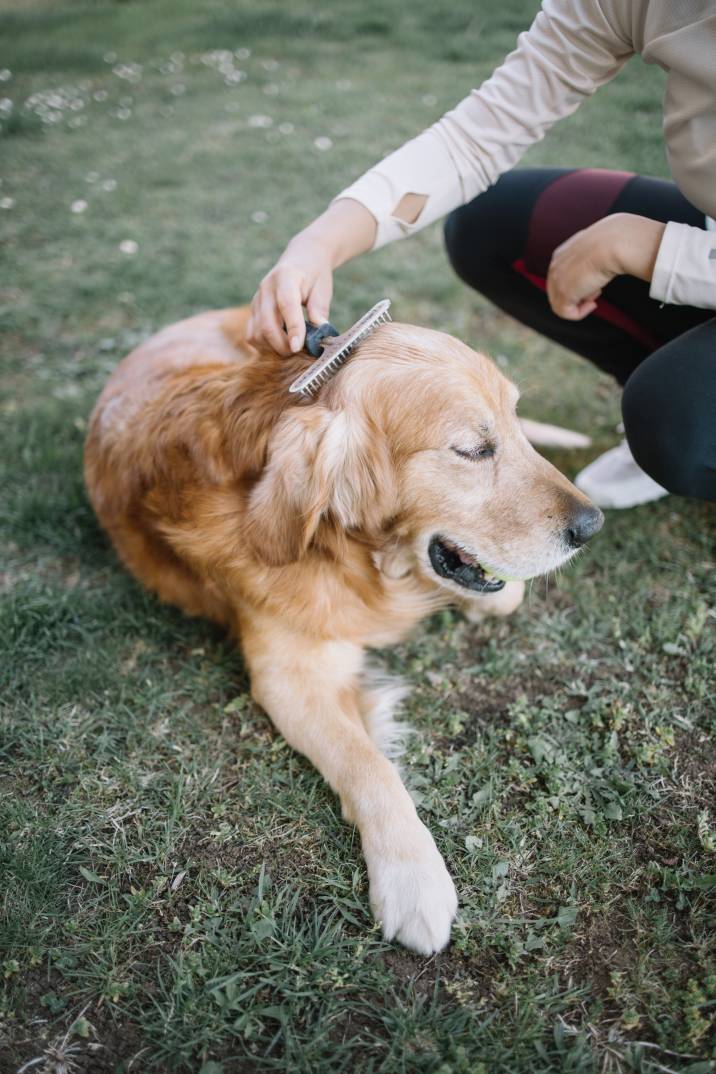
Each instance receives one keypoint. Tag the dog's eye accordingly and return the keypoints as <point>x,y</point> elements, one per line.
<point>484,451</point>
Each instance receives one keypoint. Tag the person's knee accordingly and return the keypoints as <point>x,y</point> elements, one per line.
<point>472,242</point>
<point>664,428</point>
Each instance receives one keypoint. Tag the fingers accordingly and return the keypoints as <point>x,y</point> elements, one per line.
<point>576,311</point>
<point>567,304</point>
<point>276,318</point>
<point>581,267</point>
<point>271,325</point>
<point>288,301</point>
<point>265,324</point>
<point>555,295</point>
<point>319,299</point>
<point>571,310</point>
<point>252,327</point>
<point>571,287</point>
<point>567,279</point>
<point>586,306</point>
<point>278,302</point>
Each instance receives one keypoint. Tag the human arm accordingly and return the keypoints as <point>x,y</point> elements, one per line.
<point>677,260</point>
<point>571,49</point>
<point>619,244</point>
<point>685,267</point>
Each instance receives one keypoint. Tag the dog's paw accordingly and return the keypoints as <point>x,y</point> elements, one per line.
<point>504,602</point>
<point>414,900</point>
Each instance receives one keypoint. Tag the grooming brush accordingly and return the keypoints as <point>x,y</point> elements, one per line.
<point>331,349</point>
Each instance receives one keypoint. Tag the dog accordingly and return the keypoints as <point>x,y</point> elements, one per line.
<point>317,529</point>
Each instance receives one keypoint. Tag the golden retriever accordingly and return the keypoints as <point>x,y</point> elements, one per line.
<point>316,529</point>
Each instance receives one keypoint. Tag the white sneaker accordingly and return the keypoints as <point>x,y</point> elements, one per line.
<point>615,479</point>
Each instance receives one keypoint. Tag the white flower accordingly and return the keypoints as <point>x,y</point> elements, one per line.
<point>286,128</point>
<point>5,105</point>
<point>100,95</point>
<point>260,121</point>
<point>178,89</point>
<point>130,72</point>
<point>110,57</point>
<point>269,65</point>
<point>242,53</point>
<point>7,203</point>
<point>322,143</point>
<point>91,177</point>
<point>258,216</point>
<point>129,247</point>
<point>5,74</point>
<point>429,99</point>
<point>109,185</point>
<point>78,206</point>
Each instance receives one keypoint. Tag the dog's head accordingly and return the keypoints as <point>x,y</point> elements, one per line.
<point>416,447</point>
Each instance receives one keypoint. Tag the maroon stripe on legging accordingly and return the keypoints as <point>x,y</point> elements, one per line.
<point>569,204</point>
<point>605,310</point>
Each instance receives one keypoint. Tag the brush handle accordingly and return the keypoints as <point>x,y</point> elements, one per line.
<point>314,334</point>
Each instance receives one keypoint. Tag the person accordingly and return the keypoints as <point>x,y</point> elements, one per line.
<point>620,268</point>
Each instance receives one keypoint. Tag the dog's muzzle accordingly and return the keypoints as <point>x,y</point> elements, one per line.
<point>454,563</point>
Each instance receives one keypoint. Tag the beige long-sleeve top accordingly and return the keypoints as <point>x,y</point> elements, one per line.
<point>572,48</point>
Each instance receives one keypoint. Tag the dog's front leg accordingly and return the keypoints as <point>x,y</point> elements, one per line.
<point>311,691</point>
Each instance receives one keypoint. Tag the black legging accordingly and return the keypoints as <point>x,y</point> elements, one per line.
<point>664,356</point>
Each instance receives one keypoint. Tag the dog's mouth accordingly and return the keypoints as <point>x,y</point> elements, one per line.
<point>450,561</point>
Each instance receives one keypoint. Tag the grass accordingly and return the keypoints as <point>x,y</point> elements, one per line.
<point>178,891</point>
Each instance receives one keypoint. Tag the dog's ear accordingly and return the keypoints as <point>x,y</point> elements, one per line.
<point>320,462</point>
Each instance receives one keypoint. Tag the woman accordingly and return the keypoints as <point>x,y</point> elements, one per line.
<point>617,267</point>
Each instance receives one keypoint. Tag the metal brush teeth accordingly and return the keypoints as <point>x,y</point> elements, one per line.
<point>338,348</point>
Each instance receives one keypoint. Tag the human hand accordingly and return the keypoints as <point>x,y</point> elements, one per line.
<point>583,265</point>
<point>303,275</point>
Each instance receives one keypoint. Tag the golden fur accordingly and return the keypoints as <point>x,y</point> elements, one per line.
<point>304,526</point>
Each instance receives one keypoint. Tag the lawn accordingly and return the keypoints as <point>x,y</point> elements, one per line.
<point>178,890</point>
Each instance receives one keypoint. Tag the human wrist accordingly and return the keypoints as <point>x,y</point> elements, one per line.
<point>636,241</point>
<point>309,244</point>
<point>345,230</point>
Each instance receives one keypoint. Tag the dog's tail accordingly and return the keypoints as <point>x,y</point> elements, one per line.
<point>543,435</point>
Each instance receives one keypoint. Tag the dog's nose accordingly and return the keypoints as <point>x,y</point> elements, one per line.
<point>584,523</point>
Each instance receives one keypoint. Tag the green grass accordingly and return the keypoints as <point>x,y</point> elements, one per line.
<point>178,891</point>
